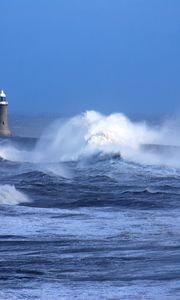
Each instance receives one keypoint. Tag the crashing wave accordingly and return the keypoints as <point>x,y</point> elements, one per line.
<point>91,133</point>
<point>100,139</point>
<point>11,196</point>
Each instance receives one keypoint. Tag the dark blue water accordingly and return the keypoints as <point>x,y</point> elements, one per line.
<point>99,227</point>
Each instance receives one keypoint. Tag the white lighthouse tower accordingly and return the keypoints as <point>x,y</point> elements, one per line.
<point>4,128</point>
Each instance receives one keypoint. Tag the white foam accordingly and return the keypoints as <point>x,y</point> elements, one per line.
<point>9,152</point>
<point>91,132</point>
<point>11,196</point>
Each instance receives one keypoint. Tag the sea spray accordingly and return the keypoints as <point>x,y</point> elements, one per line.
<point>90,133</point>
<point>62,142</point>
<point>11,196</point>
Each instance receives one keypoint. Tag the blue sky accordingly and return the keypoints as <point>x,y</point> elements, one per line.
<point>68,56</point>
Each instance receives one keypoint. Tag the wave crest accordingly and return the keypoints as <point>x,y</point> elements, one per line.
<point>11,196</point>
<point>90,133</point>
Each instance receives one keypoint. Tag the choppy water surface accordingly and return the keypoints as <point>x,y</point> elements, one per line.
<point>80,221</point>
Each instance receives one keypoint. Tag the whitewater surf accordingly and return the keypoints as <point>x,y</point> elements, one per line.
<point>90,209</point>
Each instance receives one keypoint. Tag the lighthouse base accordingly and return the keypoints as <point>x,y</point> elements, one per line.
<point>4,127</point>
<point>5,134</point>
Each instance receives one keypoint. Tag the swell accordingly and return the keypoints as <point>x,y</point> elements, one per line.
<point>98,183</point>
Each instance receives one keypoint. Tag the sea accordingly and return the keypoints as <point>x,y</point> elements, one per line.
<point>90,208</point>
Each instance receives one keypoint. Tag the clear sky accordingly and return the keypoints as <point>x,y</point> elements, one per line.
<point>68,56</point>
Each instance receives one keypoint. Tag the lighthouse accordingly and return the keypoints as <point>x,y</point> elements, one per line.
<point>4,127</point>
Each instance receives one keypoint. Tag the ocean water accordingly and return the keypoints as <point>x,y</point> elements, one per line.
<point>89,209</point>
